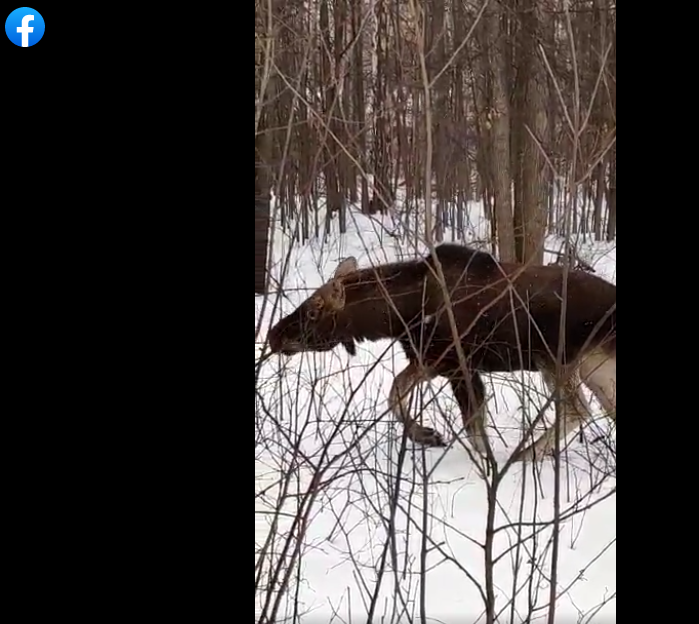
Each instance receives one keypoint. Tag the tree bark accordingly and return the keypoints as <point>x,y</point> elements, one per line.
<point>262,209</point>
<point>531,212</point>
<point>499,121</point>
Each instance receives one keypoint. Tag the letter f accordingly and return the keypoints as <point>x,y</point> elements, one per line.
<point>25,29</point>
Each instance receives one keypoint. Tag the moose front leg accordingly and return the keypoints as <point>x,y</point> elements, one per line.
<point>403,385</point>
<point>469,393</point>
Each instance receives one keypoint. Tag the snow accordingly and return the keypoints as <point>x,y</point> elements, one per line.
<point>326,450</point>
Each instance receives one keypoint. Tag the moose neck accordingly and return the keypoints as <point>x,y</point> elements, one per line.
<point>383,300</point>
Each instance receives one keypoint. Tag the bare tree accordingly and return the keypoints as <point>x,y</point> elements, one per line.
<point>530,134</point>
<point>263,143</point>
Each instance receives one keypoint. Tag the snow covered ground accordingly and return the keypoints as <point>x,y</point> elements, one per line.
<point>325,450</point>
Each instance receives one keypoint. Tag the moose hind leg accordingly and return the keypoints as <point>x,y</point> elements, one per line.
<point>575,410</point>
<point>598,372</point>
<point>470,395</point>
<point>401,389</point>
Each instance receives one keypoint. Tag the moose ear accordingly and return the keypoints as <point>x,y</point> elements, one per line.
<point>346,267</point>
<point>335,296</point>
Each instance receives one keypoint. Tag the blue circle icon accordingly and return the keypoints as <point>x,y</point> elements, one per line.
<point>24,27</point>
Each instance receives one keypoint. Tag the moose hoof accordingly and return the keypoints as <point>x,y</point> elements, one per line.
<point>427,437</point>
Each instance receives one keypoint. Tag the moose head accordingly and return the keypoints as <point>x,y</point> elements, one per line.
<point>313,325</point>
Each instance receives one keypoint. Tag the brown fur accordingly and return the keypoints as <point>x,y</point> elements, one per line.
<point>508,318</point>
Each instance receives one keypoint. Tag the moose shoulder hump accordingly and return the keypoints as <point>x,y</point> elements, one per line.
<point>463,257</point>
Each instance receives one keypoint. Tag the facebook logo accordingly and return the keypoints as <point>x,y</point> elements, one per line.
<point>24,27</point>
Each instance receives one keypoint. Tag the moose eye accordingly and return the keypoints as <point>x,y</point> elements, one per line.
<point>313,314</point>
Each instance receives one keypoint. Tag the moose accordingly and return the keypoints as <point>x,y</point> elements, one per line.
<point>458,313</point>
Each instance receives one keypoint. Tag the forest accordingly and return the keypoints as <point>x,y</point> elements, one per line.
<point>378,105</point>
<point>383,128</point>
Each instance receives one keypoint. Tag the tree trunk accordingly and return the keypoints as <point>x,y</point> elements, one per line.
<point>500,116</point>
<point>611,226</point>
<point>262,209</point>
<point>531,212</point>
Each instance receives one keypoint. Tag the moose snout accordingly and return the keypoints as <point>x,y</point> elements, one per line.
<point>288,349</point>
<point>279,344</point>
